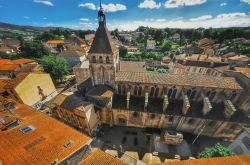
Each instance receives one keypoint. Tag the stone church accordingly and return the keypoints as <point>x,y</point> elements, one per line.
<point>198,104</point>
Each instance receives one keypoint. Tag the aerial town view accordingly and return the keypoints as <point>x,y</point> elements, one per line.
<point>124,82</point>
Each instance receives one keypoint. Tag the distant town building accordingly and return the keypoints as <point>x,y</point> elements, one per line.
<point>75,40</point>
<point>205,43</point>
<point>132,49</point>
<point>176,37</point>
<point>151,44</point>
<point>76,112</point>
<point>89,37</point>
<point>73,57</point>
<point>11,68</point>
<point>52,45</point>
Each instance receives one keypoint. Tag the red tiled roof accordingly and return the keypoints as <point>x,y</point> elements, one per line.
<point>98,157</point>
<point>41,146</point>
<point>4,61</point>
<point>55,41</point>
<point>230,160</point>
<point>8,67</point>
<point>23,61</point>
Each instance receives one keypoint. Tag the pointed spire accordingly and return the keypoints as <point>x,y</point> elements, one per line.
<point>101,15</point>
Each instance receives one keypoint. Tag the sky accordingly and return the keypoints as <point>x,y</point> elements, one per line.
<point>127,14</point>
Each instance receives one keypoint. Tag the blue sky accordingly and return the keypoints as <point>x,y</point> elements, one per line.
<point>127,14</point>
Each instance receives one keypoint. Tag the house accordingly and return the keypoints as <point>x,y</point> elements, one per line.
<point>11,68</point>
<point>176,37</point>
<point>151,44</point>
<point>205,43</point>
<point>132,49</point>
<point>76,112</point>
<point>52,45</point>
<point>73,57</point>
<point>33,89</point>
<point>75,40</point>
<point>31,137</point>
<point>89,37</point>
<point>241,144</point>
<point>239,60</point>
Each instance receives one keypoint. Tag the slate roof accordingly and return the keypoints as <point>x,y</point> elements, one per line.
<point>178,80</point>
<point>102,43</point>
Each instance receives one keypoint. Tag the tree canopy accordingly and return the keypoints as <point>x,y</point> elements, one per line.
<point>56,66</point>
<point>217,151</point>
<point>33,50</point>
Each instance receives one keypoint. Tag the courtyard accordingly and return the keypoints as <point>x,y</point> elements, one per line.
<point>132,144</point>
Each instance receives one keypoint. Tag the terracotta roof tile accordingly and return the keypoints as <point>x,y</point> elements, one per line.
<point>23,61</point>
<point>98,157</point>
<point>230,160</point>
<point>131,66</point>
<point>9,67</point>
<point>55,41</point>
<point>179,80</point>
<point>43,145</point>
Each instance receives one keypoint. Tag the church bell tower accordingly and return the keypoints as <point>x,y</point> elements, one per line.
<point>103,54</point>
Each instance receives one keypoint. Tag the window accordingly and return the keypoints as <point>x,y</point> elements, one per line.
<point>152,116</point>
<point>94,59</point>
<point>135,114</point>
<point>100,59</point>
<point>69,143</point>
<point>191,121</point>
<point>27,129</point>
<point>107,60</point>
<point>211,123</point>
<point>170,119</point>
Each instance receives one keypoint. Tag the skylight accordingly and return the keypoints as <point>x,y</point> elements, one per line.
<point>27,129</point>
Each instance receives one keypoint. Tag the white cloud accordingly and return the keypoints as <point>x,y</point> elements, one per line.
<point>201,18</point>
<point>45,2</point>
<point>180,3</point>
<point>26,17</point>
<point>89,6</point>
<point>84,19</point>
<point>246,1</point>
<point>221,20</point>
<point>149,4</point>
<point>223,4</point>
<point>113,7</point>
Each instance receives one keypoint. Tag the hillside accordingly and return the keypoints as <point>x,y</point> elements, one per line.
<point>26,28</point>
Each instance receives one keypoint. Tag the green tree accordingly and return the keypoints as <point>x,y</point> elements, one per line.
<point>33,50</point>
<point>123,51</point>
<point>166,46</point>
<point>217,151</point>
<point>56,66</point>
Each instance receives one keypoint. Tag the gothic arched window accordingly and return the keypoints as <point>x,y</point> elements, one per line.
<point>152,91</point>
<point>107,60</point>
<point>94,59</point>
<point>100,59</point>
